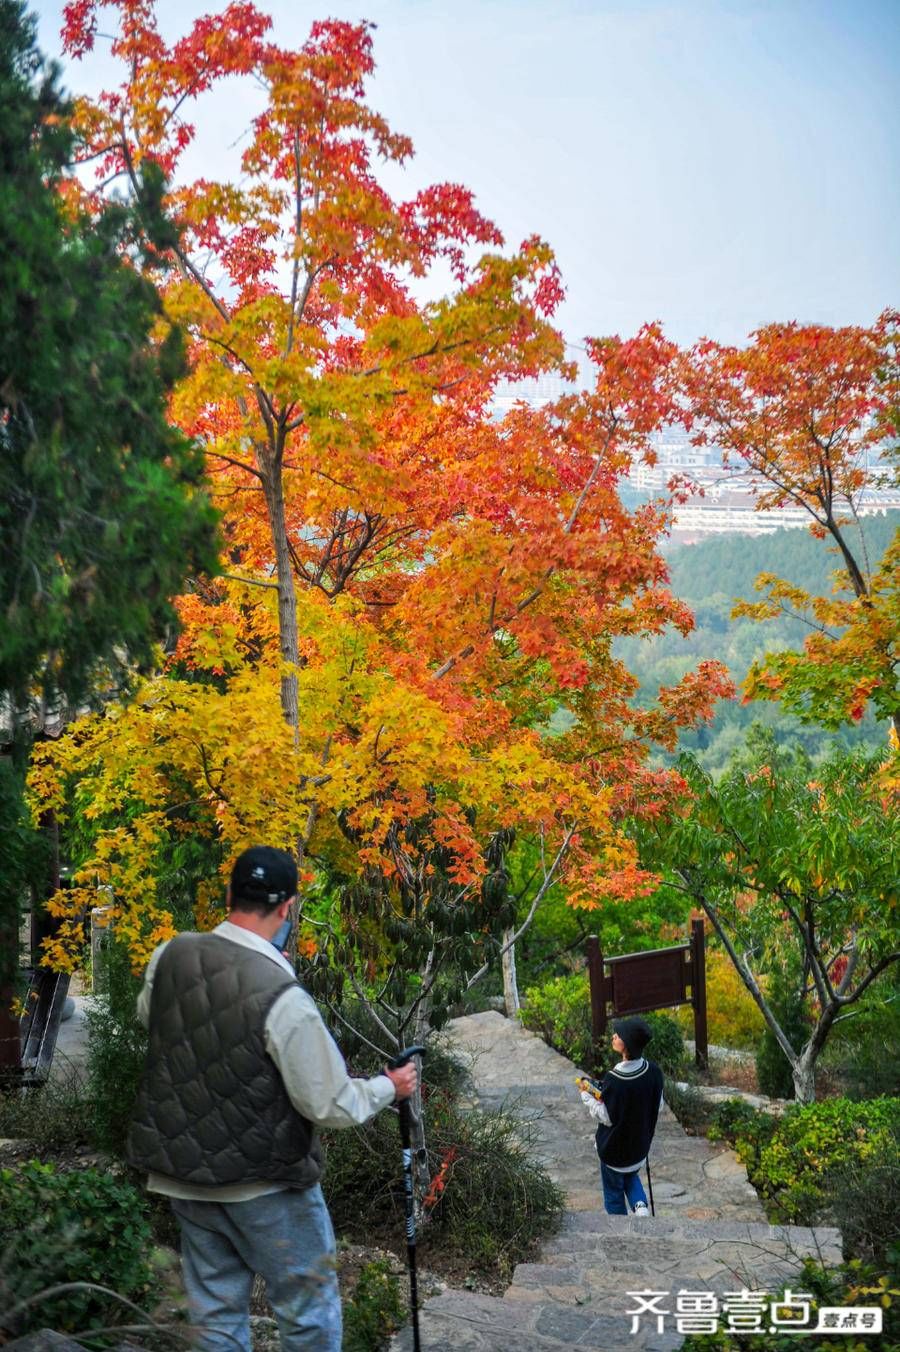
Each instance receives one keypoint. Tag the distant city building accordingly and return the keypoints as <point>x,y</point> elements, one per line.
<point>535,393</point>
<point>675,454</point>
<point>725,503</point>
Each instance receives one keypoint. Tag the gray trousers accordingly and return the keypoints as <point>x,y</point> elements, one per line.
<point>287,1238</point>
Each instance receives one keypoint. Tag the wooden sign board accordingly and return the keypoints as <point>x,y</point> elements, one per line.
<point>644,981</point>
<point>638,982</point>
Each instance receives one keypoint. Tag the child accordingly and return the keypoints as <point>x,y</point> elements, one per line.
<point>627,1112</point>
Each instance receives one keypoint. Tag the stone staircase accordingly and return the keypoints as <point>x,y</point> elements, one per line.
<point>709,1233</point>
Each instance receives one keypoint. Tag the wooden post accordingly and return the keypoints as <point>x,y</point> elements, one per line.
<point>598,999</point>
<point>698,992</point>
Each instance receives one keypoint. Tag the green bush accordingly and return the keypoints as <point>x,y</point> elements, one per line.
<point>489,1202</point>
<point>492,1202</point>
<point>734,1119</point>
<point>814,1142</point>
<point>850,1284</point>
<point>560,1012</point>
<point>374,1310</point>
<point>60,1228</point>
<point>746,1128</point>
<point>859,1050</point>
<point>837,1160</point>
<point>864,1207</point>
<point>692,1110</point>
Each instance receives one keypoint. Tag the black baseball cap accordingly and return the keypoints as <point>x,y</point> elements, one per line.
<point>263,874</point>
<point>635,1033</point>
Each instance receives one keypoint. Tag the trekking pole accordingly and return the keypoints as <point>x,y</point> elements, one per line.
<point>650,1188</point>
<point>409,1199</point>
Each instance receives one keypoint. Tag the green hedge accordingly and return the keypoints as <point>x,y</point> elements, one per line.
<point>560,1011</point>
<point>60,1228</point>
<point>835,1160</point>
<point>490,1202</point>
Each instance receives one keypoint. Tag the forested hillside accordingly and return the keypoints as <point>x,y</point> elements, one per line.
<point>710,576</point>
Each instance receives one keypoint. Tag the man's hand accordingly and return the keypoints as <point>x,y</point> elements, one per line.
<point>404,1080</point>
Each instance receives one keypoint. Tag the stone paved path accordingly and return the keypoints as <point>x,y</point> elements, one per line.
<point>709,1233</point>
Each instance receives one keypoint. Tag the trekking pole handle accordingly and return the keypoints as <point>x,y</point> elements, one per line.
<point>406,1055</point>
<point>403,1106</point>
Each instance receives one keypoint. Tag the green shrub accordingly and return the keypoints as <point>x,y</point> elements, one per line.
<point>667,1045</point>
<point>813,1143</point>
<point>493,1202</point>
<point>374,1310</point>
<point>692,1110</point>
<point>489,1201</point>
<point>560,1012</point>
<point>837,1160</point>
<point>859,1049</point>
<point>734,1119</point>
<point>848,1285</point>
<point>864,1207</point>
<point>814,1138</point>
<point>746,1128</point>
<point>71,1227</point>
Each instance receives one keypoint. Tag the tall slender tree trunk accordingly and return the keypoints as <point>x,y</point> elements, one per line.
<point>421,1172</point>
<point>803,1072</point>
<point>287,596</point>
<point>510,983</point>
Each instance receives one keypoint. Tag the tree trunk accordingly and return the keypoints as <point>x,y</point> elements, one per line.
<point>510,985</point>
<point>287,596</point>
<point>421,1172</point>
<point>803,1071</point>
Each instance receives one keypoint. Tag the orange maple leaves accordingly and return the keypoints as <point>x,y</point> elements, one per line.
<point>424,584</point>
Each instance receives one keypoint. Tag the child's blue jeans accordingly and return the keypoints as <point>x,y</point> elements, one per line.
<point>617,1187</point>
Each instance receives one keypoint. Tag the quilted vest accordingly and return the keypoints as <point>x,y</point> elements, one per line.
<point>212,1108</point>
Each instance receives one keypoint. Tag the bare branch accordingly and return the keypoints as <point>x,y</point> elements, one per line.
<point>549,878</point>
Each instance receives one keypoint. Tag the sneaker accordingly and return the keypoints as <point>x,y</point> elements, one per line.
<point>641,1211</point>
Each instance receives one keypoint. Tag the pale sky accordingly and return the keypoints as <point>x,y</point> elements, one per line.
<point>715,164</point>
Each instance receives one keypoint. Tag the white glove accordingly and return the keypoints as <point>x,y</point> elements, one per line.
<point>594,1106</point>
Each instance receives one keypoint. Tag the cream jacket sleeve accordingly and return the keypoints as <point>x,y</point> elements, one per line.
<point>313,1068</point>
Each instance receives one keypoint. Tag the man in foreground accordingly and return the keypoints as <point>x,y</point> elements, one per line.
<point>240,1072</point>
<point>626,1109</point>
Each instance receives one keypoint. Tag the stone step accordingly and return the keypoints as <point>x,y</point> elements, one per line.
<point>710,1233</point>
<point>579,1227</point>
<point>469,1322</point>
<point>597,1256</point>
<point>605,1287</point>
